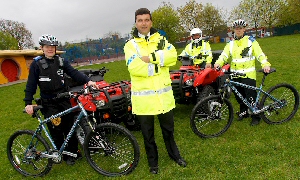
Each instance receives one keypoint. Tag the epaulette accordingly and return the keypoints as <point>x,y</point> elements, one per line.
<point>251,38</point>
<point>37,58</point>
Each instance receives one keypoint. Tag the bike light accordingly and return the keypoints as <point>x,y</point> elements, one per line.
<point>100,103</point>
<point>106,116</point>
<point>189,82</point>
<point>187,94</point>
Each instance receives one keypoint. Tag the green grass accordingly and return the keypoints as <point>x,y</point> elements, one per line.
<point>243,152</point>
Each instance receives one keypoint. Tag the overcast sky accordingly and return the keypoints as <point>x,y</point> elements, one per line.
<point>76,20</point>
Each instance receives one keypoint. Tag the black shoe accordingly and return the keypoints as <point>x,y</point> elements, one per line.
<point>181,162</point>
<point>70,161</point>
<point>154,170</point>
<point>255,122</point>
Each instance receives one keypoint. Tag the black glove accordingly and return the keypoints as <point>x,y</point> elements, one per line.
<point>245,51</point>
<point>199,56</point>
<point>161,44</point>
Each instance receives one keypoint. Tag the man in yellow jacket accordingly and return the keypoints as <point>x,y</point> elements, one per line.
<point>199,49</point>
<point>148,58</point>
<point>244,50</point>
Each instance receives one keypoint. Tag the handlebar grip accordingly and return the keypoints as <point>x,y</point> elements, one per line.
<point>239,74</point>
<point>62,95</point>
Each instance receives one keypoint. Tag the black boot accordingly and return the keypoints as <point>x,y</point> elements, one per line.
<point>255,120</point>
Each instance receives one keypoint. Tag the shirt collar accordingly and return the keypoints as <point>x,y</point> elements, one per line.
<point>143,36</point>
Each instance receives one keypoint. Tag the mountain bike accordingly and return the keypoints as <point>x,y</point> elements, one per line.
<point>109,148</point>
<point>213,115</point>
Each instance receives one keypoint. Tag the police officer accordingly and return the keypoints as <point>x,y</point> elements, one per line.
<point>244,50</point>
<point>148,57</point>
<point>199,49</point>
<point>47,72</point>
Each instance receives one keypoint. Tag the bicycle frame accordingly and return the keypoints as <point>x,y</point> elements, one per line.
<point>254,105</point>
<point>42,127</point>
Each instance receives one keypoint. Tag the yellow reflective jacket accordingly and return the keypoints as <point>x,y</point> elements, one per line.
<point>192,50</point>
<point>151,90</point>
<point>243,64</point>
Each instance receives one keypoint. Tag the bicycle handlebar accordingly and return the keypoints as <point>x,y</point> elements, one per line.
<point>235,73</point>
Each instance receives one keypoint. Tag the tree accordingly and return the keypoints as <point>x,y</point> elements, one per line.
<point>7,42</point>
<point>212,20</point>
<point>191,15</point>
<point>289,13</point>
<point>19,32</point>
<point>167,19</point>
<point>271,11</point>
<point>259,13</point>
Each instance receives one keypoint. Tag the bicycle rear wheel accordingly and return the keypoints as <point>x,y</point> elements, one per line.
<point>211,117</point>
<point>24,153</point>
<point>112,150</point>
<point>283,111</point>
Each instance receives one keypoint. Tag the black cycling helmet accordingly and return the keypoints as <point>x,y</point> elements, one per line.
<point>48,39</point>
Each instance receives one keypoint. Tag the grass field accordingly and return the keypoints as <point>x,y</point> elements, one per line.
<point>243,152</point>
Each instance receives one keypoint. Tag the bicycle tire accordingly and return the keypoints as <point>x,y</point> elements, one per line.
<point>28,163</point>
<point>275,114</point>
<point>112,150</point>
<point>211,117</point>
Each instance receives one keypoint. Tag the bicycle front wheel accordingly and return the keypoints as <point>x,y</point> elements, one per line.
<point>211,117</point>
<point>111,150</point>
<point>24,153</point>
<point>283,108</point>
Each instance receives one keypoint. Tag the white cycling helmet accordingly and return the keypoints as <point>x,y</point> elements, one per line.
<point>48,39</point>
<point>239,23</point>
<point>196,31</point>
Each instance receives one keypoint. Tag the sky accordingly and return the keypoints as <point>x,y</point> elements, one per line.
<point>78,20</point>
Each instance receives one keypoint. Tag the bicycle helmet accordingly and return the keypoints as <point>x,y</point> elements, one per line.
<point>48,39</point>
<point>239,23</point>
<point>196,31</point>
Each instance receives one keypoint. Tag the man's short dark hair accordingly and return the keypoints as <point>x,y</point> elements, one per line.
<point>142,11</point>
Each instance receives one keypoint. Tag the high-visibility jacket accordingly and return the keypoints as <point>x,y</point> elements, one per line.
<point>192,49</point>
<point>243,64</point>
<point>151,90</point>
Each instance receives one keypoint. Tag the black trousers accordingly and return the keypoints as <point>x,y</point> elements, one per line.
<point>249,94</point>
<point>60,132</point>
<point>166,122</point>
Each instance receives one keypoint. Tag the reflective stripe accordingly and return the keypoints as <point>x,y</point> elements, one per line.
<point>264,61</point>
<point>231,47</point>
<point>150,69</point>
<point>161,56</point>
<point>151,92</point>
<point>242,60</point>
<point>191,46</point>
<point>136,47</point>
<point>244,70</point>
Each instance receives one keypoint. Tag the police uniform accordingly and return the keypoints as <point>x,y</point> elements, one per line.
<point>244,52</point>
<point>151,90</point>
<point>48,75</point>
<point>194,49</point>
